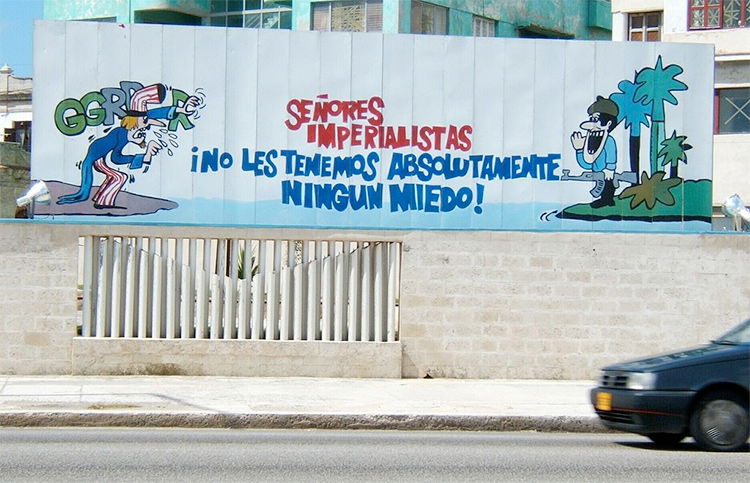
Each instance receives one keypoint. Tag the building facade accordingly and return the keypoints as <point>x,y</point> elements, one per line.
<point>726,25</point>
<point>15,108</point>
<point>580,19</point>
<point>15,138</point>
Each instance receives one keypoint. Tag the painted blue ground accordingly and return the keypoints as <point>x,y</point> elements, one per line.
<point>505,216</point>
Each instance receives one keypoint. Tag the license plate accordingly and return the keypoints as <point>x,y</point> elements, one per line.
<point>603,401</point>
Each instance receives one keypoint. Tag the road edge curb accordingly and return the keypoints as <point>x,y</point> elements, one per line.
<point>572,424</point>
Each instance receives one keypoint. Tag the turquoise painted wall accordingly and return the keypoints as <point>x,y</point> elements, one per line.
<point>121,9</point>
<point>580,19</point>
<point>569,17</point>
<point>301,15</point>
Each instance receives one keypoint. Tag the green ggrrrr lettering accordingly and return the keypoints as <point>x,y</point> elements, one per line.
<point>96,115</point>
<point>70,125</point>
<point>181,119</point>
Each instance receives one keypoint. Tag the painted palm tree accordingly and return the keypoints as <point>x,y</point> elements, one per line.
<point>634,114</point>
<point>673,151</point>
<point>655,87</point>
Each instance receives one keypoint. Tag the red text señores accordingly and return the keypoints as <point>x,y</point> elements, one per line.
<point>338,123</point>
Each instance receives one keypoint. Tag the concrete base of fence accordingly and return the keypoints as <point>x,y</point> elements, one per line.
<point>242,358</point>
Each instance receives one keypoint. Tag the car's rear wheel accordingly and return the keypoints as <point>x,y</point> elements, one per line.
<point>666,439</point>
<point>720,421</point>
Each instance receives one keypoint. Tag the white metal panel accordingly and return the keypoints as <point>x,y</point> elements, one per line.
<point>201,303</point>
<point>157,305</point>
<point>203,282</point>
<point>48,159</point>
<point>394,268</point>
<point>243,311</point>
<point>144,291</point>
<point>286,293</point>
<point>231,295</point>
<point>259,292</point>
<point>230,300</point>
<point>169,171</point>
<point>80,43</point>
<point>240,121</point>
<point>104,288</point>
<point>518,117</point>
<point>273,84</point>
<point>379,315</point>
<point>579,88</point>
<point>548,115</point>
<point>367,295</point>
<point>357,285</point>
<point>245,291</point>
<point>519,96</point>
<point>171,301</point>
<point>90,294</point>
<point>272,309</point>
<point>354,315</point>
<point>131,286</point>
<point>313,289</point>
<point>216,312</point>
<point>117,308</point>
<point>300,277</point>
<point>210,74</point>
<point>326,289</point>
<point>187,322</point>
<point>340,293</point>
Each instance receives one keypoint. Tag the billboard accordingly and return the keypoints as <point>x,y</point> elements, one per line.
<point>244,127</point>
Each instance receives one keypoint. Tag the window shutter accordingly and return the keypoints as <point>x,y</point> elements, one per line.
<point>374,21</point>
<point>416,17</point>
<point>321,16</point>
<point>348,16</point>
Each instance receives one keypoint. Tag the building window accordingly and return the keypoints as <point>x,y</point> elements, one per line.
<point>269,14</point>
<point>427,18</point>
<point>717,14</point>
<point>645,27</point>
<point>20,133</point>
<point>484,27</point>
<point>733,114</point>
<point>348,16</point>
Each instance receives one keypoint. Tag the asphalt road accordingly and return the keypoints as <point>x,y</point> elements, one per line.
<point>96,454</point>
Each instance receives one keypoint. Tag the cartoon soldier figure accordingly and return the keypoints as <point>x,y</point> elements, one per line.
<point>596,150</point>
<point>133,126</point>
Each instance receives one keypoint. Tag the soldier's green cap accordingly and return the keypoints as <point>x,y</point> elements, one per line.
<point>604,106</point>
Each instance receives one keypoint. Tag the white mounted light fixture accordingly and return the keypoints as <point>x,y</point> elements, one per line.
<point>734,208</point>
<point>36,194</point>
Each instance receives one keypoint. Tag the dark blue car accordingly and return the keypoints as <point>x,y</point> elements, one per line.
<point>701,392</point>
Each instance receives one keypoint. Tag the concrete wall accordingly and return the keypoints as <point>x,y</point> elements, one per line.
<point>559,306</point>
<point>38,275</point>
<point>473,305</point>
<point>256,358</point>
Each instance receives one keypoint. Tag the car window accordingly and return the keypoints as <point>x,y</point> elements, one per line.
<point>738,335</point>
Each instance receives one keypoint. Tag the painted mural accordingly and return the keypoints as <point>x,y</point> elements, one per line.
<point>656,192</point>
<point>300,129</point>
<point>130,112</point>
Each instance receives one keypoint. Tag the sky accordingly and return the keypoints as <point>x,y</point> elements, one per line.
<point>16,27</point>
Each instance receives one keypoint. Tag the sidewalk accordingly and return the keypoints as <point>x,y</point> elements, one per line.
<point>225,402</point>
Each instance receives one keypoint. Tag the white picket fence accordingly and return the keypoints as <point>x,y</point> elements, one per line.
<point>240,289</point>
